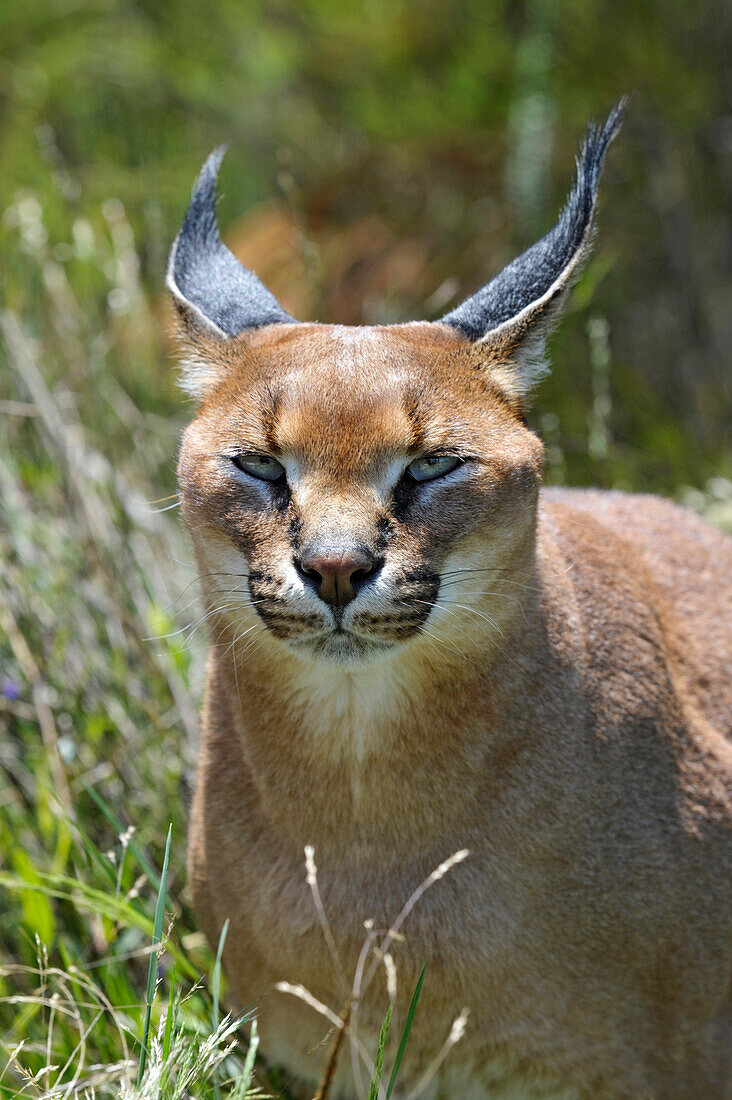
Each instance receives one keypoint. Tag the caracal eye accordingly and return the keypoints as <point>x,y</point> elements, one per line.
<point>264,467</point>
<point>431,466</point>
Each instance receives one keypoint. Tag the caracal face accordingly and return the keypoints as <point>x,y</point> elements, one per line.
<point>343,486</point>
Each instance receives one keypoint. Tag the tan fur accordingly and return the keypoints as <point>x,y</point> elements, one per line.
<point>562,711</point>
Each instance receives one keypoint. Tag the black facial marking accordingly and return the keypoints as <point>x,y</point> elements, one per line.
<point>397,618</point>
<point>257,577</point>
<point>270,414</point>
<point>281,495</point>
<point>419,576</point>
<point>289,617</point>
<point>385,529</point>
<point>405,494</point>
<point>294,531</point>
<point>265,586</point>
<point>280,630</point>
<point>417,592</point>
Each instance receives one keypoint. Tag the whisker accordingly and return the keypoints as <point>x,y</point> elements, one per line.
<point>158,511</point>
<point>503,580</point>
<point>464,607</point>
<point>251,645</point>
<point>199,577</point>
<point>443,642</point>
<point>482,592</point>
<point>208,616</point>
<point>238,638</point>
<point>499,569</point>
<point>480,614</point>
<point>189,626</point>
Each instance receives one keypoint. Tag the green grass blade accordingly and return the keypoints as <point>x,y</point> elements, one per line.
<point>245,1080</point>
<point>379,1060</point>
<point>171,1025</point>
<point>119,828</point>
<point>96,859</point>
<point>167,1035</point>
<point>405,1033</point>
<point>85,897</point>
<point>216,987</point>
<point>156,938</point>
<point>92,900</point>
<point>217,973</point>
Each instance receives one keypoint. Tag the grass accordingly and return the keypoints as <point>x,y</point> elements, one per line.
<point>100,679</point>
<point>99,688</point>
<point>152,970</point>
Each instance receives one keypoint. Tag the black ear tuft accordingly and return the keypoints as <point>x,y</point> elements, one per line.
<point>540,276</point>
<point>212,290</point>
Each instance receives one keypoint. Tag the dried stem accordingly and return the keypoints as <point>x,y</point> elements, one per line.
<point>438,873</point>
<point>456,1033</point>
<point>312,881</point>
<point>332,1060</point>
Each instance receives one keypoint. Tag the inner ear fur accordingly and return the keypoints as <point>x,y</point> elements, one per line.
<point>200,355</point>
<point>515,353</point>
<point>205,359</point>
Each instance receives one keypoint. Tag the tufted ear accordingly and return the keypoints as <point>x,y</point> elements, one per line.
<point>510,318</point>
<point>214,294</point>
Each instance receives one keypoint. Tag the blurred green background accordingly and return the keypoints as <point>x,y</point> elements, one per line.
<point>386,158</point>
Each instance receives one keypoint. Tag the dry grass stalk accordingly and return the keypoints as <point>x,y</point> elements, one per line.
<point>312,881</point>
<point>456,1033</point>
<point>438,873</point>
<point>323,1090</point>
<point>347,1020</point>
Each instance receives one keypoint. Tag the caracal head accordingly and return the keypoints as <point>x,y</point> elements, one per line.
<point>339,481</point>
<point>354,491</point>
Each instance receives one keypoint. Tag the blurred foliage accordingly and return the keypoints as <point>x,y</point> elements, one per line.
<point>392,155</point>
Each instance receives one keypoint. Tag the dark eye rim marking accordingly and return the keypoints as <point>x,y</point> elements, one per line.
<point>454,462</point>
<point>408,489</point>
<point>244,460</point>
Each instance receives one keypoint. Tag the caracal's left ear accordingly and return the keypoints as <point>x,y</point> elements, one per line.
<point>509,320</point>
<point>216,298</point>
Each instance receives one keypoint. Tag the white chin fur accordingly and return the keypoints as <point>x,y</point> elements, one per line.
<point>347,649</point>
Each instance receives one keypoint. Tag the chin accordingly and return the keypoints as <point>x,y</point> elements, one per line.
<point>343,648</point>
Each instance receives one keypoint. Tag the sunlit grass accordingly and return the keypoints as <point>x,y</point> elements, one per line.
<point>104,981</point>
<point>98,692</point>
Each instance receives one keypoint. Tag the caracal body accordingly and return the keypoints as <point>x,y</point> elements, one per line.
<point>417,650</point>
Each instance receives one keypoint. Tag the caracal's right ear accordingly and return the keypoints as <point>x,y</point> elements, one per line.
<point>216,298</point>
<point>509,319</point>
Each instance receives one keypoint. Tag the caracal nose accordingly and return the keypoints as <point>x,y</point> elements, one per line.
<point>337,575</point>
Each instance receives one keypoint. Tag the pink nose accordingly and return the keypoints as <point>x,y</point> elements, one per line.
<point>337,574</point>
